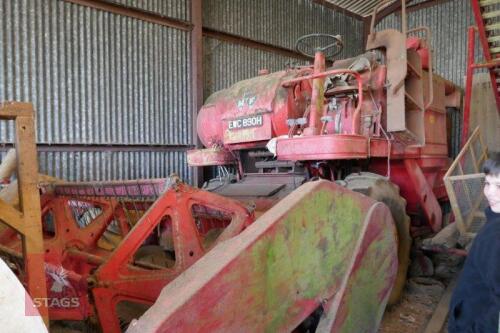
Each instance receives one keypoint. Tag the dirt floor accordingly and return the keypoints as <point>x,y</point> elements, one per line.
<point>417,306</point>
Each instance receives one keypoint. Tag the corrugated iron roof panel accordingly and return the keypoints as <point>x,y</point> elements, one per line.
<point>359,7</point>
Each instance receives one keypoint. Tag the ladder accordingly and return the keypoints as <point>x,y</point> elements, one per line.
<point>487,16</point>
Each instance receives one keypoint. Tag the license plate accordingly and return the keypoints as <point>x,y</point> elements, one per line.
<point>252,121</point>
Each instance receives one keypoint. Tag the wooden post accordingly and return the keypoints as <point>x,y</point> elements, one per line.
<point>27,221</point>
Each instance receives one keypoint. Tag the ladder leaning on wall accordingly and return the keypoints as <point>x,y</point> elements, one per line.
<point>487,16</point>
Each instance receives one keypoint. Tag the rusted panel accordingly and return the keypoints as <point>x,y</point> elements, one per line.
<point>210,156</point>
<point>323,147</point>
<point>449,34</point>
<point>394,43</point>
<point>423,189</point>
<point>250,110</point>
<point>322,244</point>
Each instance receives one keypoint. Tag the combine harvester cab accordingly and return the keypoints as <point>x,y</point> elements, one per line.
<point>321,249</point>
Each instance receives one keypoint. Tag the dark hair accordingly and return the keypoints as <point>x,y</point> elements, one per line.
<point>492,165</point>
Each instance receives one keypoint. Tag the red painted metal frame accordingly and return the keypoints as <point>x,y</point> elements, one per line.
<point>471,66</point>
<point>116,281</point>
<point>490,63</point>
<point>316,75</point>
<point>476,9</point>
<point>423,189</point>
<point>419,165</point>
<point>99,279</point>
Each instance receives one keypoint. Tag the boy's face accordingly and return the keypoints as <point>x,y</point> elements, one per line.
<point>492,191</point>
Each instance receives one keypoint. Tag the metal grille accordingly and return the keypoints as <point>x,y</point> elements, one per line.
<point>464,183</point>
<point>134,197</point>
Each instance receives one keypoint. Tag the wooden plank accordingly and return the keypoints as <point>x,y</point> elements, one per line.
<point>474,159</point>
<point>461,154</point>
<point>436,323</point>
<point>454,206</point>
<point>485,114</point>
<point>29,202</point>
<point>11,216</point>
<point>467,176</point>
<point>11,110</point>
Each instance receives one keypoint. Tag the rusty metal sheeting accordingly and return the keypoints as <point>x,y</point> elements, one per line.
<point>172,8</point>
<point>448,22</point>
<point>95,77</point>
<point>363,8</point>
<point>281,22</point>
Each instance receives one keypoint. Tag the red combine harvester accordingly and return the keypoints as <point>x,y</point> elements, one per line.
<point>306,227</point>
<point>374,124</point>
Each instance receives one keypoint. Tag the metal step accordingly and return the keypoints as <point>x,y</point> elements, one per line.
<point>489,15</point>
<point>494,38</point>
<point>494,26</point>
<point>484,3</point>
<point>274,164</point>
<point>494,50</point>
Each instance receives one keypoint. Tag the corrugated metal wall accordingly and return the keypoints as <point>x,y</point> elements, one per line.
<point>114,165</point>
<point>99,78</point>
<point>178,9</point>
<point>277,22</point>
<point>226,63</point>
<point>448,22</point>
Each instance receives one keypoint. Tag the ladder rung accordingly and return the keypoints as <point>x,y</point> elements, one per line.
<point>488,15</point>
<point>494,26</point>
<point>495,50</point>
<point>483,3</point>
<point>493,39</point>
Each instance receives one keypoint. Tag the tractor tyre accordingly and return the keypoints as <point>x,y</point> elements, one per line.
<point>379,188</point>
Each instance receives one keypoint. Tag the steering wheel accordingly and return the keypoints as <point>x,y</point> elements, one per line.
<point>308,45</point>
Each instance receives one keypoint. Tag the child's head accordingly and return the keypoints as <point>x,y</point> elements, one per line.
<point>492,183</point>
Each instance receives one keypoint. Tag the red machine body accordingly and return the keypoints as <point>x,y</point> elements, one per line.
<point>110,248</point>
<point>387,117</point>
